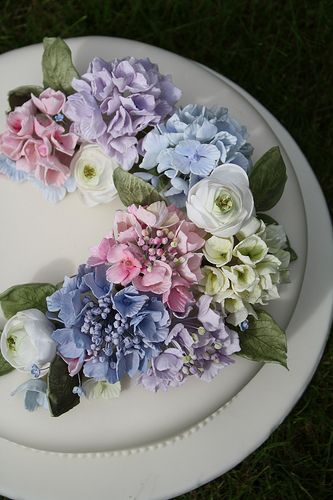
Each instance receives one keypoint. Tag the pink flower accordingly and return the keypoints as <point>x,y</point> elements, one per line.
<point>100,253</point>
<point>157,214</point>
<point>157,280</point>
<point>11,145</point>
<point>189,269</point>
<point>126,264</point>
<point>38,144</point>
<point>179,298</point>
<point>20,121</point>
<point>49,102</point>
<point>189,238</point>
<point>126,227</point>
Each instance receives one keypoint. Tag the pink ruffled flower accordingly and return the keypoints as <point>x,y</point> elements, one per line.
<point>156,279</point>
<point>36,142</point>
<point>50,102</point>
<point>126,227</point>
<point>189,237</point>
<point>156,249</point>
<point>157,215</point>
<point>100,253</point>
<point>127,264</point>
<point>179,298</point>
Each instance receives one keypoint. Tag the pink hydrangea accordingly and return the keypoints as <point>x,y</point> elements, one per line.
<point>38,144</point>
<point>157,249</point>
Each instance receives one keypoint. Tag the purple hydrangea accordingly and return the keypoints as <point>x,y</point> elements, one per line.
<point>106,332</point>
<point>114,101</point>
<point>199,345</point>
<point>189,145</point>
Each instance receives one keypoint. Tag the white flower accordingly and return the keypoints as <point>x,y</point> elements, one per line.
<point>251,250</point>
<point>97,389</point>
<point>213,281</point>
<point>218,251</point>
<point>242,277</point>
<point>253,226</point>
<point>222,203</point>
<point>93,173</point>
<point>26,342</point>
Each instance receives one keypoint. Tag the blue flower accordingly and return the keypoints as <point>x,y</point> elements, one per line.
<point>8,168</point>
<point>106,332</point>
<point>34,394</point>
<point>192,142</point>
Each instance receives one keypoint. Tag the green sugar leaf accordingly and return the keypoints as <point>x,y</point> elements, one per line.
<point>58,68</point>
<point>133,190</point>
<point>267,179</point>
<point>28,296</point>
<point>20,95</point>
<point>60,388</point>
<point>264,341</point>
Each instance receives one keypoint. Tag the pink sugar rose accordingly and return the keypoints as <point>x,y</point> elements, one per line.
<point>100,253</point>
<point>158,280</point>
<point>126,227</point>
<point>157,215</point>
<point>126,263</point>
<point>49,102</point>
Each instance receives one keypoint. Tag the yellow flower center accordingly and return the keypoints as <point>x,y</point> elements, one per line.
<point>89,172</point>
<point>11,343</point>
<point>224,203</point>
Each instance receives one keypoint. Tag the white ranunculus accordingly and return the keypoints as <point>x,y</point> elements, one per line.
<point>93,173</point>
<point>253,226</point>
<point>221,203</point>
<point>26,341</point>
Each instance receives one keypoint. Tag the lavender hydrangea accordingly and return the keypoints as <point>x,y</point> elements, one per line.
<point>107,332</point>
<point>199,345</point>
<point>114,101</point>
<point>189,145</point>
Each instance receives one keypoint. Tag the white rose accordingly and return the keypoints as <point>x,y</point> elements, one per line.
<point>26,342</point>
<point>93,173</point>
<point>222,203</point>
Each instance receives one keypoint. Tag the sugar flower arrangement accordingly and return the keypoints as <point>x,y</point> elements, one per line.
<point>179,285</point>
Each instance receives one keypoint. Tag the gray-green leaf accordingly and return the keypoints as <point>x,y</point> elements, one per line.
<point>267,219</point>
<point>20,95</point>
<point>60,388</point>
<point>28,296</point>
<point>264,341</point>
<point>58,68</point>
<point>267,179</point>
<point>132,190</point>
<point>5,367</point>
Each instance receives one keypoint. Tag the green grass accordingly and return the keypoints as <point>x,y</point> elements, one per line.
<point>280,52</point>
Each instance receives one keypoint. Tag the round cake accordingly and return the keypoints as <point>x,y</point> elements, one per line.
<point>120,243</point>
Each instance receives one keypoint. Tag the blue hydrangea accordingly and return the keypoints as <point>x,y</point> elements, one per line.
<point>34,394</point>
<point>189,145</point>
<point>107,332</point>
